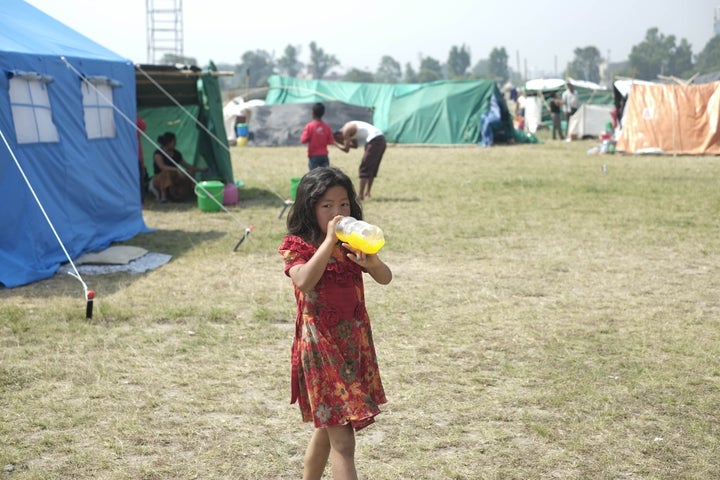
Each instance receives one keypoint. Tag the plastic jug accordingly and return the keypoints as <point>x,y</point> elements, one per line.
<point>230,194</point>
<point>360,235</point>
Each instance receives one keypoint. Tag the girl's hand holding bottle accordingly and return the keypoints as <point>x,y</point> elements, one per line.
<point>360,235</point>
<point>363,241</point>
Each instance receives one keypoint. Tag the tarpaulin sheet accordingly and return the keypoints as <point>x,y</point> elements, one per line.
<point>442,112</point>
<point>672,119</point>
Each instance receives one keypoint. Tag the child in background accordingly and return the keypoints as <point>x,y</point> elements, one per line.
<point>317,135</point>
<point>335,377</point>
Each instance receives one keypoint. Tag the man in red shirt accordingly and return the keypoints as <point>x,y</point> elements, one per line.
<point>317,135</point>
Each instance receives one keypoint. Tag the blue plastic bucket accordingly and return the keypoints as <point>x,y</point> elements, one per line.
<point>241,130</point>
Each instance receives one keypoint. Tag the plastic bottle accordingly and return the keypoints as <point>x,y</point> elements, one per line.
<point>360,235</point>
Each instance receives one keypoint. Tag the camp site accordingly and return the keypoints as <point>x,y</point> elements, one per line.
<point>553,310</point>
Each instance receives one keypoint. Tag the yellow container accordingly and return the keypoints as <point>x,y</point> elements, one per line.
<point>356,240</point>
<point>360,235</point>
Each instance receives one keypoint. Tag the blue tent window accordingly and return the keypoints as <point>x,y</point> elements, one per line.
<point>31,110</point>
<point>98,107</point>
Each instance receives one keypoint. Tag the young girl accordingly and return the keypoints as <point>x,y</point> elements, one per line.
<point>335,377</point>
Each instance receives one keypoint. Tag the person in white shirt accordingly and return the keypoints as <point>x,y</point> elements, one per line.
<point>355,132</point>
<point>520,104</point>
<point>571,103</point>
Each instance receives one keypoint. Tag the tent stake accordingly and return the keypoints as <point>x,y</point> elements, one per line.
<point>89,305</point>
<point>288,202</point>
<point>242,239</point>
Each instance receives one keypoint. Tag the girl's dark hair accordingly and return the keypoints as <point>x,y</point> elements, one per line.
<point>166,138</point>
<point>301,220</point>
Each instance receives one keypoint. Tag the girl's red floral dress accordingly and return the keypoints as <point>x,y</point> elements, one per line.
<point>335,376</point>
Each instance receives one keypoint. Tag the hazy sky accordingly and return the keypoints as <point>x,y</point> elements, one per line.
<point>541,34</point>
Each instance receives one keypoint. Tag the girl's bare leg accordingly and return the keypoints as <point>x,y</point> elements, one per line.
<point>316,455</point>
<point>342,441</point>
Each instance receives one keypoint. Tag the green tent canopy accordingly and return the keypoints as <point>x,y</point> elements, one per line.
<point>442,112</point>
<point>198,93</point>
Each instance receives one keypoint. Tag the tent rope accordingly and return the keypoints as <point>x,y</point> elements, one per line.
<point>246,228</point>
<point>75,273</point>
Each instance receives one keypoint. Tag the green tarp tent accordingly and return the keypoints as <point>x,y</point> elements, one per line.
<point>442,112</point>
<point>198,92</point>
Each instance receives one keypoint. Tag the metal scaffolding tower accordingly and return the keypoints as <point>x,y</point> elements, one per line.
<point>164,29</point>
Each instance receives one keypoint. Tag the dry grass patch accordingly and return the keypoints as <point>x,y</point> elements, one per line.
<point>546,320</point>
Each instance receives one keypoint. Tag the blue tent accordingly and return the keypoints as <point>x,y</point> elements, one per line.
<point>74,139</point>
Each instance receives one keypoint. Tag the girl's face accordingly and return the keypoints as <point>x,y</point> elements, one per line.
<point>334,202</point>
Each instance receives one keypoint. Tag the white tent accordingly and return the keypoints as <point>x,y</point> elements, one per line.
<point>533,113</point>
<point>589,121</point>
<point>540,89</point>
<point>547,84</point>
<point>235,108</point>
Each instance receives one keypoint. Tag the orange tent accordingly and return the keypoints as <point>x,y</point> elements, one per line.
<point>672,119</point>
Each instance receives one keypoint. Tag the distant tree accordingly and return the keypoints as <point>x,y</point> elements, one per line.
<point>228,82</point>
<point>657,54</point>
<point>482,68</point>
<point>616,69</point>
<point>410,76</point>
<point>357,75</point>
<point>173,59</point>
<point>256,66</point>
<point>586,64</point>
<point>458,61</point>
<point>498,65</point>
<point>681,63</point>
<point>430,70</point>
<point>709,59</point>
<point>320,62</point>
<point>516,78</point>
<point>389,70</point>
<point>288,64</point>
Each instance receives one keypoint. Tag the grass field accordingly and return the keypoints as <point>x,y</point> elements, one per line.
<point>546,320</point>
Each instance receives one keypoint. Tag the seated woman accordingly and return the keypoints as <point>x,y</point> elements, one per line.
<point>169,181</point>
